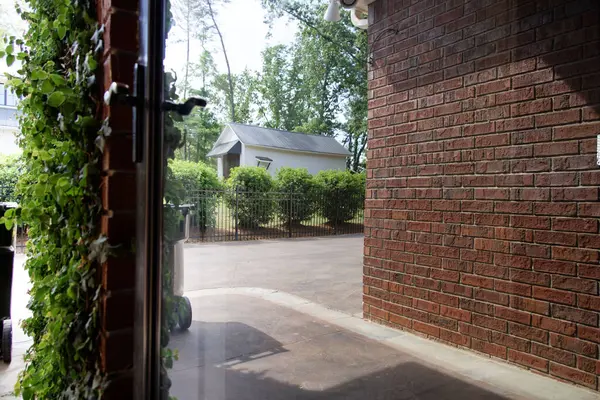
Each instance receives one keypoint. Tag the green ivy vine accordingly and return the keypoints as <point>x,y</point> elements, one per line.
<point>59,192</point>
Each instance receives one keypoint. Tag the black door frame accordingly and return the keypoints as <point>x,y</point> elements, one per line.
<point>147,349</point>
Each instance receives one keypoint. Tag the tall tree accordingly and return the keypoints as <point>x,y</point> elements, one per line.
<point>326,68</point>
<point>183,14</point>
<point>202,126</point>
<point>244,90</point>
<point>212,14</point>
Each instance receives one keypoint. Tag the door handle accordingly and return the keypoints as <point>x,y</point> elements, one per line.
<point>119,93</point>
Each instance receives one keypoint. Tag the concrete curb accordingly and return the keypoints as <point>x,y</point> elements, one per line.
<point>504,378</point>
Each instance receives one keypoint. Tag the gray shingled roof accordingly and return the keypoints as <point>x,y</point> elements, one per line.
<point>274,138</point>
<point>225,148</point>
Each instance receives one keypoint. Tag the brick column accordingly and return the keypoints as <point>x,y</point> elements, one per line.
<point>482,218</point>
<point>120,21</point>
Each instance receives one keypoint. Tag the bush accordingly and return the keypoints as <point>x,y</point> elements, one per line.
<point>10,169</point>
<point>194,176</point>
<point>341,193</point>
<point>250,193</point>
<point>300,185</point>
<point>199,184</point>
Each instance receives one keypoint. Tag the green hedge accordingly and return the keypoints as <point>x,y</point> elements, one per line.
<point>341,194</point>
<point>11,168</point>
<point>194,176</point>
<point>300,184</point>
<point>253,200</point>
<point>197,181</point>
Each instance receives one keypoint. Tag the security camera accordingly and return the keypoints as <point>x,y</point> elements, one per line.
<point>348,3</point>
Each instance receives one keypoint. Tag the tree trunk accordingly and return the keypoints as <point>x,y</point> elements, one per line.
<point>198,147</point>
<point>231,99</point>
<point>185,155</point>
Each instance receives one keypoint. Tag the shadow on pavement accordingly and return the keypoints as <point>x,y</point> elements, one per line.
<point>219,366</point>
<point>230,342</point>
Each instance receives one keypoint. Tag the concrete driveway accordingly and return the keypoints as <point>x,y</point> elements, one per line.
<point>324,270</point>
<point>281,320</point>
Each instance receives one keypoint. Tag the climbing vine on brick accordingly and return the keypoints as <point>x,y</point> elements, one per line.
<point>59,194</point>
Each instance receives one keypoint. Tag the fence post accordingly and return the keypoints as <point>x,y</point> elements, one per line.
<point>290,215</point>
<point>236,213</point>
<point>337,213</point>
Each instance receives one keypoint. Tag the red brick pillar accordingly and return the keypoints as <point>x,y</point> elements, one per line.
<point>482,219</point>
<point>120,21</point>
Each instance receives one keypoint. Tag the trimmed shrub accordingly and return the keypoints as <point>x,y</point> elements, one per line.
<point>342,195</point>
<point>300,185</point>
<point>250,193</point>
<point>194,176</point>
<point>11,168</point>
<point>199,184</point>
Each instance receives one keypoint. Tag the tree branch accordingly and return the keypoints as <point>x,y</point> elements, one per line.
<point>323,35</point>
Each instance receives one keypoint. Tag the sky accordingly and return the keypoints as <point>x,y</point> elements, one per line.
<point>241,22</point>
<point>245,35</point>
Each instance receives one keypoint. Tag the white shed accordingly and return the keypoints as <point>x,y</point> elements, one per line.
<point>246,145</point>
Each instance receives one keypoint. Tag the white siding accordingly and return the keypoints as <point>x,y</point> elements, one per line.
<point>8,141</point>
<point>313,162</point>
<point>220,166</point>
<point>228,135</point>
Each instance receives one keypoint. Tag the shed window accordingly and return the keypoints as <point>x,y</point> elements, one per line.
<point>263,162</point>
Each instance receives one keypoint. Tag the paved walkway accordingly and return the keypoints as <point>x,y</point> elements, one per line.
<point>325,270</point>
<point>281,320</point>
<point>251,343</point>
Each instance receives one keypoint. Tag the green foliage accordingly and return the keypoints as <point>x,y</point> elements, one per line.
<point>343,194</point>
<point>11,167</point>
<point>194,176</point>
<point>59,196</point>
<point>305,86</point>
<point>300,184</point>
<point>250,194</point>
<point>201,130</point>
<point>198,182</point>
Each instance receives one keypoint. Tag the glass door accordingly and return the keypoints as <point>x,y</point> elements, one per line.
<point>161,214</point>
<point>148,149</point>
<point>222,313</point>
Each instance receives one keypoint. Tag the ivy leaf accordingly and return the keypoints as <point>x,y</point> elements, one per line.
<point>63,183</point>
<point>38,74</point>
<point>10,59</point>
<point>62,31</point>
<point>58,80</point>
<point>47,87</point>
<point>56,99</point>
<point>7,222</point>
<point>27,394</point>
<point>2,53</point>
<point>9,49</point>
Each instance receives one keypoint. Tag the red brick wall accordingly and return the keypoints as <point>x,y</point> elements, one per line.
<point>119,200</point>
<point>482,225</point>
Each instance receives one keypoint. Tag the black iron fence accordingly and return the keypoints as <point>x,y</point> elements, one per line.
<point>228,215</point>
<point>7,193</point>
